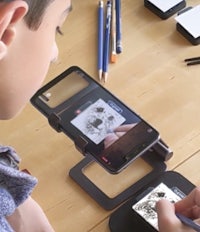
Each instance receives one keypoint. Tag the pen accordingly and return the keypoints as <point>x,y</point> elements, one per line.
<point>100,37</point>
<point>107,41</point>
<point>193,62</point>
<point>192,59</point>
<point>114,45</point>
<point>188,222</point>
<point>118,25</point>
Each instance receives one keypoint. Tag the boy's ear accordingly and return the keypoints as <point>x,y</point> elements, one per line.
<point>10,14</point>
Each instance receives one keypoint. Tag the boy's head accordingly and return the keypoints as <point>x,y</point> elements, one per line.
<point>36,10</point>
<point>27,47</point>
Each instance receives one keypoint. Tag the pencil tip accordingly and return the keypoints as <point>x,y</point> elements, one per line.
<point>105,77</point>
<point>113,58</point>
<point>100,75</point>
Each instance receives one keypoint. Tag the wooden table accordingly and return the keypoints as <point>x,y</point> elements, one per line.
<point>149,76</point>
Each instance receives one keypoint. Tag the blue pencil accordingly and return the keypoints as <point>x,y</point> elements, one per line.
<point>188,222</point>
<point>118,26</point>
<point>100,38</point>
<point>113,34</point>
<point>107,41</point>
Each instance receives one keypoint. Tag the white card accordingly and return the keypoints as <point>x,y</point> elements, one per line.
<point>189,20</point>
<point>165,5</point>
<point>97,120</point>
<point>146,207</point>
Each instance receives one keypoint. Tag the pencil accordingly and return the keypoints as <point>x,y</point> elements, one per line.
<point>113,34</point>
<point>100,38</point>
<point>118,25</point>
<point>188,222</point>
<point>107,41</point>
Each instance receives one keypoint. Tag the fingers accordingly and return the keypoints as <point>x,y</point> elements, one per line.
<point>116,134</point>
<point>167,220</point>
<point>125,127</point>
<point>191,200</point>
<point>120,134</point>
<point>110,139</point>
<point>190,205</point>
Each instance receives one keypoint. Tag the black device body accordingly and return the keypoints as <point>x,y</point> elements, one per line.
<point>86,112</point>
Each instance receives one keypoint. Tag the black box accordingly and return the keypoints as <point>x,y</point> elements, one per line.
<point>188,30</point>
<point>164,14</point>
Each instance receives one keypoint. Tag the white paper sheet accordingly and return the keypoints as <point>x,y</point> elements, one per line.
<point>190,21</point>
<point>165,5</point>
<point>146,207</point>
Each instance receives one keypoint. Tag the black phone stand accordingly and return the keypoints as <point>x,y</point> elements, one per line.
<point>155,157</point>
<point>62,109</point>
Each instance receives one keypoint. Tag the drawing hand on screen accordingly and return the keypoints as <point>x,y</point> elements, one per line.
<point>189,207</point>
<point>117,133</point>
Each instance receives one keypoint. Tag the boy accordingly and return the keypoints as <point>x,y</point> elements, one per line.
<point>27,47</point>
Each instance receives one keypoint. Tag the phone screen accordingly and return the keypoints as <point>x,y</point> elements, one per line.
<point>113,134</point>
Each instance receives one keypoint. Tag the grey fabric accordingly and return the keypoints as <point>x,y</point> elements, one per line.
<point>15,186</point>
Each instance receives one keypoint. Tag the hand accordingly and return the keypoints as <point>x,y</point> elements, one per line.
<point>189,206</point>
<point>117,133</point>
<point>29,217</point>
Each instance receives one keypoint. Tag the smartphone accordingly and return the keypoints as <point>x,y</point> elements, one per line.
<point>99,123</point>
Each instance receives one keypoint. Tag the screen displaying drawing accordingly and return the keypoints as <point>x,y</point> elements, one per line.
<point>97,121</point>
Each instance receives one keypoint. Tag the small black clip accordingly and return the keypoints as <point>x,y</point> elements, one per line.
<point>54,121</point>
<point>80,144</point>
<point>163,150</point>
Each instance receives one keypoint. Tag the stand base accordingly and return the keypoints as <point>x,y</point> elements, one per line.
<point>76,173</point>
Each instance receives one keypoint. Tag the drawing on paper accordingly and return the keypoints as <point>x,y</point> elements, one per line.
<point>146,207</point>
